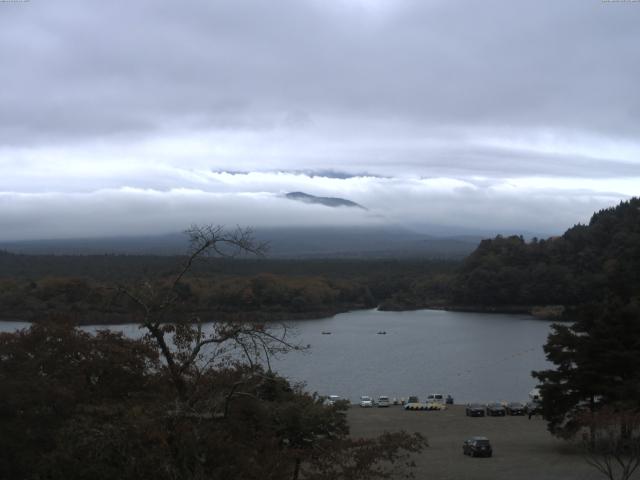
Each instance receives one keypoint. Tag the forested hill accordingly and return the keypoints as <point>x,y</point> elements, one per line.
<point>588,263</point>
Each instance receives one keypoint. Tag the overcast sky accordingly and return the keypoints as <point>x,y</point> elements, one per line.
<point>129,117</point>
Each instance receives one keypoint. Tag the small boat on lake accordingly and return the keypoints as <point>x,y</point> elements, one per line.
<point>326,333</point>
<point>382,332</point>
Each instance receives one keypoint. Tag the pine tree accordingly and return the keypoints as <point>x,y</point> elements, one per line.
<point>597,360</point>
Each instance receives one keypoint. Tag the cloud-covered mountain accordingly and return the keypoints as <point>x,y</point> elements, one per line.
<point>124,125</point>
<point>326,201</point>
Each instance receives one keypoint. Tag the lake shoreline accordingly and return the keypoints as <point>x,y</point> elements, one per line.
<point>549,313</point>
<point>542,312</point>
<point>102,318</point>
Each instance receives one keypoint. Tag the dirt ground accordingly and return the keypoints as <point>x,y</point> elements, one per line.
<point>522,448</point>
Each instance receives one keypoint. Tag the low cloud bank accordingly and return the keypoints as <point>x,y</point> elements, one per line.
<point>413,203</point>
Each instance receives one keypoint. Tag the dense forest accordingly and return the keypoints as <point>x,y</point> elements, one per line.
<point>593,389</point>
<point>588,263</point>
<point>86,288</point>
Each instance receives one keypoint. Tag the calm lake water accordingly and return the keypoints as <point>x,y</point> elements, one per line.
<point>472,356</point>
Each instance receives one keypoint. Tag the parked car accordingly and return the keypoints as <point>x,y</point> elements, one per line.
<point>413,399</point>
<point>514,408</point>
<point>332,399</point>
<point>474,410</point>
<point>496,410</point>
<point>435,398</point>
<point>366,401</point>
<point>383,401</point>
<point>477,447</point>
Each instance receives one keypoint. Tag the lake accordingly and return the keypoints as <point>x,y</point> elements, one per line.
<point>472,356</point>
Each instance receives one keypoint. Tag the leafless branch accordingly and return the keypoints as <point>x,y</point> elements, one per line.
<point>613,445</point>
<point>184,353</point>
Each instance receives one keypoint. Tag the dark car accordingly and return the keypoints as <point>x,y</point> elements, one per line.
<point>515,408</point>
<point>496,410</point>
<point>474,410</point>
<point>477,447</point>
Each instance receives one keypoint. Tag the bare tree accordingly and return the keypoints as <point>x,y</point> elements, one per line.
<point>185,345</point>
<point>612,443</point>
<point>208,410</point>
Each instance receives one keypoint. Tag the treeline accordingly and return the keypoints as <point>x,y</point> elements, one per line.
<point>291,289</point>
<point>589,263</point>
<point>593,389</point>
<point>134,267</point>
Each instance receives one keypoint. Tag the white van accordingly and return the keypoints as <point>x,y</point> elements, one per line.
<point>435,398</point>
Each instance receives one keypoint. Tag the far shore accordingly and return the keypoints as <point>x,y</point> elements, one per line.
<point>117,318</point>
<point>543,312</point>
<point>549,312</point>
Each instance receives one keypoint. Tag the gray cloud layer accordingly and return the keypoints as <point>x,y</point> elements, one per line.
<point>85,68</point>
<point>533,105</point>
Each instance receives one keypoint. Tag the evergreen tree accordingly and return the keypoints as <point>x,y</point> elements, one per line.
<point>596,361</point>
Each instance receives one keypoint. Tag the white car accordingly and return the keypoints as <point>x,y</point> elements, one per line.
<point>383,401</point>
<point>366,401</point>
<point>435,398</point>
<point>332,399</point>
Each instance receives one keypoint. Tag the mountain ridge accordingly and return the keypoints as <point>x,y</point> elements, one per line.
<point>284,242</point>
<point>333,202</point>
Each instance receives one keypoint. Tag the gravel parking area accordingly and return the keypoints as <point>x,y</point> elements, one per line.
<point>522,448</point>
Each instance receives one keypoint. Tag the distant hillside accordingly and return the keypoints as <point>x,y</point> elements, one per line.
<point>363,242</point>
<point>326,242</point>
<point>326,201</point>
<point>588,263</point>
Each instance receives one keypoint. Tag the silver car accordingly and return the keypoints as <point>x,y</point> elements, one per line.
<point>366,401</point>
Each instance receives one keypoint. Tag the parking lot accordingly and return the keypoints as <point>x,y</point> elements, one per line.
<point>522,448</point>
